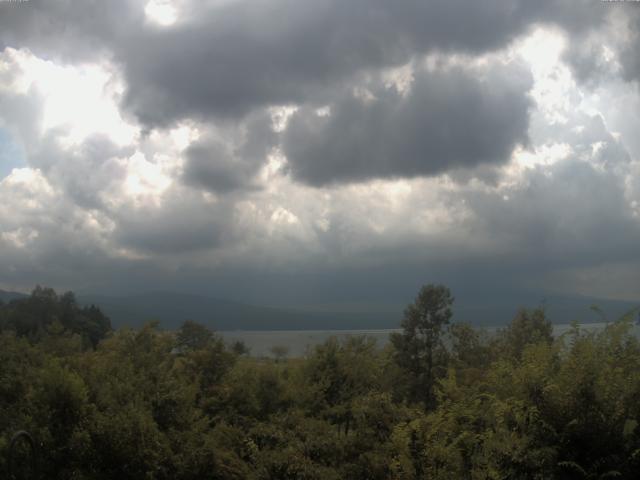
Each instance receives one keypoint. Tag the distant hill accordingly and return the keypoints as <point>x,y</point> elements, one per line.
<point>559,310</point>
<point>8,296</point>
<point>171,309</point>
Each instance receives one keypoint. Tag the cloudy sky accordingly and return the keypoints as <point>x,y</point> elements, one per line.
<point>320,151</point>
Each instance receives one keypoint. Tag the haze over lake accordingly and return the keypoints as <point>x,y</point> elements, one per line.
<point>298,342</point>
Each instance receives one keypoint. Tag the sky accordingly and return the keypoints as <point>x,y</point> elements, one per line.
<point>321,152</point>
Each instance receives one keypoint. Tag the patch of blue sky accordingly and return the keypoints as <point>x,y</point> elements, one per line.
<point>11,155</point>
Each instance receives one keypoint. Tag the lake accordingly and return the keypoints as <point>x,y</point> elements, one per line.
<point>260,343</point>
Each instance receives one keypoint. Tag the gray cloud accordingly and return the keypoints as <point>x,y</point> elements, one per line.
<point>210,165</point>
<point>577,213</point>
<point>229,160</point>
<point>567,214</point>
<point>231,58</point>
<point>451,119</point>
<point>85,172</point>
<point>221,67</point>
<point>68,30</point>
<point>182,223</point>
<point>607,47</point>
<point>629,52</point>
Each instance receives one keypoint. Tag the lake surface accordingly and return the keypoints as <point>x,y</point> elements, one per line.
<point>298,342</point>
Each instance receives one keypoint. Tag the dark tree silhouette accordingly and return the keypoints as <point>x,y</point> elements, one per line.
<point>419,348</point>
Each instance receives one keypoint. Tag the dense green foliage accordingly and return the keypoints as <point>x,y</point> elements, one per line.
<point>442,400</point>
<point>45,312</point>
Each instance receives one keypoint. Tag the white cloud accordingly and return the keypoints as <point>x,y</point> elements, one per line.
<point>81,100</point>
<point>162,12</point>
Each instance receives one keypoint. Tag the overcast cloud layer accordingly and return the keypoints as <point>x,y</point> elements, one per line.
<point>290,151</point>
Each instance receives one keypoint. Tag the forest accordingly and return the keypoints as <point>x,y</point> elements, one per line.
<point>443,400</point>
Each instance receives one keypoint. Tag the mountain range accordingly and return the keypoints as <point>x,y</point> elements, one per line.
<point>171,309</point>
<point>8,296</point>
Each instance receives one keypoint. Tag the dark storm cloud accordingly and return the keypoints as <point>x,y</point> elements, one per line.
<point>230,59</point>
<point>227,164</point>
<point>450,119</point>
<point>577,211</point>
<point>68,29</point>
<point>571,212</point>
<point>211,166</point>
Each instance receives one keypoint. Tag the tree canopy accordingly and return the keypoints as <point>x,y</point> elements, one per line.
<point>44,309</point>
<point>154,404</point>
<point>419,349</point>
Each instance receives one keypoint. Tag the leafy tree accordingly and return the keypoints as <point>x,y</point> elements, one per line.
<point>468,346</point>
<point>193,336</point>
<point>340,372</point>
<point>419,349</point>
<point>527,327</point>
<point>240,348</point>
<point>33,316</point>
